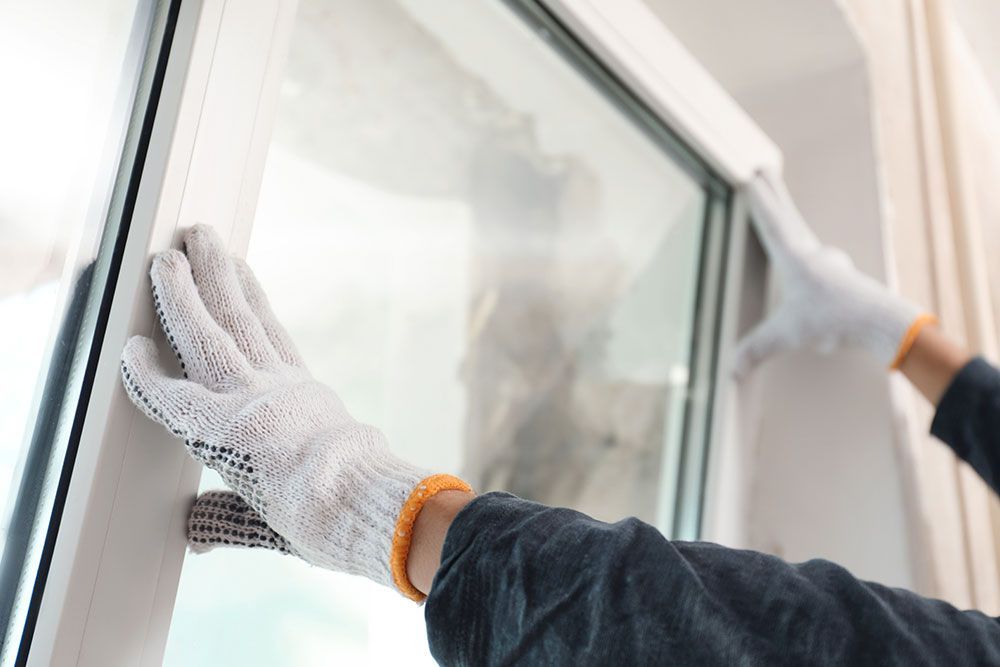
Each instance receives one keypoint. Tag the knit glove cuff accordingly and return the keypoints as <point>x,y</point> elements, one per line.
<point>403,532</point>
<point>223,518</point>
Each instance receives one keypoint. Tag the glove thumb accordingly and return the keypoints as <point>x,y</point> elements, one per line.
<point>769,338</point>
<point>222,518</point>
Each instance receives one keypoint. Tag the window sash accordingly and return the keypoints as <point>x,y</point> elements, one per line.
<point>45,473</point>
<point>117,560</point>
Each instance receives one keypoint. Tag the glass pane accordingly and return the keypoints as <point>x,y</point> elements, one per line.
<point>479,243</point>
<point>72,74</point>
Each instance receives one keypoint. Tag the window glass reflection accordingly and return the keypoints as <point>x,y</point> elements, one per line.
<point>488,260</point>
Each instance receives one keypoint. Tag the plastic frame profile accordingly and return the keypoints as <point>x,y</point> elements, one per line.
<point>632,41</point>
<point>117,559</point>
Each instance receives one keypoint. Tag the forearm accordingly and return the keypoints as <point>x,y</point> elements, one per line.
<point>933,362</point>
<point>966,392</point>
<point>429,531</point>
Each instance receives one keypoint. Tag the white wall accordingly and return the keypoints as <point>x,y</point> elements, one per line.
<point>980,21</point>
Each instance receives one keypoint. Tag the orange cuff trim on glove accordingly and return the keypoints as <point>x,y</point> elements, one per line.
<point>424,491</point>
<point>910,338</point>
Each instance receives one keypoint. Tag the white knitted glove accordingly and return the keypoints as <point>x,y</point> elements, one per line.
<point>250,410</point>
<point>222,518</point>
<point>826,303</point>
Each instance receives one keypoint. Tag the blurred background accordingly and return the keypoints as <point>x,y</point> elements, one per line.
<point>501,268</point>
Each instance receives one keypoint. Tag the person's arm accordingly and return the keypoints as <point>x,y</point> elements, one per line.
<point>932,363</point>
<point>515,582</point>
<point>429,534</point>
<point>967,395</point>
<point>525,584</point>
<point>828,304</point>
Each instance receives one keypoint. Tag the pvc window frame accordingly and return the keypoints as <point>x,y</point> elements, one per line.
<point>115,567</point>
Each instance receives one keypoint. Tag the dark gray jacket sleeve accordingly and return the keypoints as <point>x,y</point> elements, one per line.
<point>525,584</point>
<point>968,419</point>
<point>521,583</point>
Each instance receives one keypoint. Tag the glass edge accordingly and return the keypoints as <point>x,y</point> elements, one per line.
<point>693,468</point>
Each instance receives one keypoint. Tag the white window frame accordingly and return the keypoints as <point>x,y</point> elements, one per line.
<point>114,573</point>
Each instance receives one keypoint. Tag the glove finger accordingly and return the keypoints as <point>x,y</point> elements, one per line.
<point>280,340</point>
<point>219,286</point>
<point>771,337</point>
<point>780,226</point>
<point>170,401</point>
<point>222,518</point>
<point>207,353</point>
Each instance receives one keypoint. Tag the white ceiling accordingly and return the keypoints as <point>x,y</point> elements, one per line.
<point>814,38</point>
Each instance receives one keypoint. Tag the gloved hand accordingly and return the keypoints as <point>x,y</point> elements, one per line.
<point>826,302</point>
<point>222,518</point>
<point>248,408</point>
